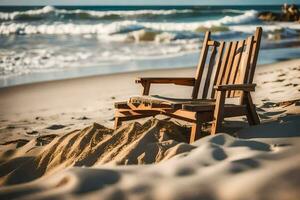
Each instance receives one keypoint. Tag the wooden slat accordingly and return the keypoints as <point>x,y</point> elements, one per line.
<point>229,63</point>
<point>201,64</point>
<point>217,66</point>
<point>236,64</point>
<point>188,116</point>
<point>167,80</point>
<point>210,107</point>
<point>121,105</point>
<point>218,112</point>
<point>246,64</point>
<point>195,107</point>
<point>224,64</point>
<point>209,72</point>
<point>254,56</point>
<point>129,112</point>
<point>244,87</point>
<point>150,106</point>
<point>213,43</point>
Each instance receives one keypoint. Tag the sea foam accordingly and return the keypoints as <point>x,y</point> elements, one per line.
<point>26,14</point>
<point>117,26</point>
<point>60,13</point>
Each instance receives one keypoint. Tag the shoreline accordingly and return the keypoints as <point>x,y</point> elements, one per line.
<point>129,73</point>
<point>181,61</point>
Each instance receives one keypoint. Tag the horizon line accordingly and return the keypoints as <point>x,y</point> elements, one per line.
<point>147,5</point>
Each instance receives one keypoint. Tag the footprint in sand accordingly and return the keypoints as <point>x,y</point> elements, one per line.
<point>279,80</point>
<point>83,118</point>
<point>18,142</point>
<point>268,105</point>
<point>46,139</point>
<point>10,126</point>
<point>56,127</point>
<point>278,91</point>
<point>32,132</point>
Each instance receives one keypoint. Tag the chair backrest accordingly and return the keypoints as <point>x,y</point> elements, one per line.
<point>231,62</point>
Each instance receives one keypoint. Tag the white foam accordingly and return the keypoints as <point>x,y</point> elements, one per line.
<point>246,17</point>
<point>38,60</point>
<point>99,14</point>
<point>164,37</point>
<point>68,28</point>
<point>16,14</point>
<point>118,26</point>
<point>125,13</point>
<point>266,27</point>
<point>232,11</point>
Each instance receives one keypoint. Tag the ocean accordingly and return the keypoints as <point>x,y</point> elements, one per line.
<point>50,43</point>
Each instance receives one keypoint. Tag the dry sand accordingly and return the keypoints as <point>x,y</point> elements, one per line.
<point>53,145</point>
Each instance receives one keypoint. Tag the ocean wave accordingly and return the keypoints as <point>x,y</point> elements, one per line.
<point>118,26</point>
<point>29,14</point>
<point>268,28</point>
<point>132,30</point>
<point>69,28</point>
<point>233,11</point>
<point>38,60</point>
<point>247,17</point>
<point>52,13</point>
<point>44,12</point>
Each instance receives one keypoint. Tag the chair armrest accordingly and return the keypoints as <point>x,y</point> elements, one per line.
<point>167,80</point>
<point>242,87</point>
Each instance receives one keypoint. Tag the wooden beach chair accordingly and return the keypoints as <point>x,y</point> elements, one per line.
<point>225,70</point>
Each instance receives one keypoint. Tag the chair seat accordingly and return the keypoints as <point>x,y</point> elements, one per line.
<point>160,102</point>
<point>156,101</point>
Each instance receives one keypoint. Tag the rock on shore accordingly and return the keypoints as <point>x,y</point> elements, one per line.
<point>288,13</point>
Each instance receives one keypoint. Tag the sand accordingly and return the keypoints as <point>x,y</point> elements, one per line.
<point>57,143</point>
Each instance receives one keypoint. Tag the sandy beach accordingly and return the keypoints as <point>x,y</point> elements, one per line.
<point>57,142</point>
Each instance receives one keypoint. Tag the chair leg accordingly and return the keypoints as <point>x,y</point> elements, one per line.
<point>252,116</point>
<point>218,112</point>
<point>118,122</point>
<point>126,115</point>
<point>196,131</point>
<point>146,86</point>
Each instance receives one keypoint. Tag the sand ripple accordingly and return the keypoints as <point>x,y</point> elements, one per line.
<point>150,142</point>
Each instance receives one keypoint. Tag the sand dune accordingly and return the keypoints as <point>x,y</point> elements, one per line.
<point>150,142</point>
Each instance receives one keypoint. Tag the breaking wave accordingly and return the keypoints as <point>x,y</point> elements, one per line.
<point>49,11</point>
<point>115,27</point>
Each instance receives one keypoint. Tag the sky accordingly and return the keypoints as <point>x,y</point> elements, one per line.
<point>145,2</point>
